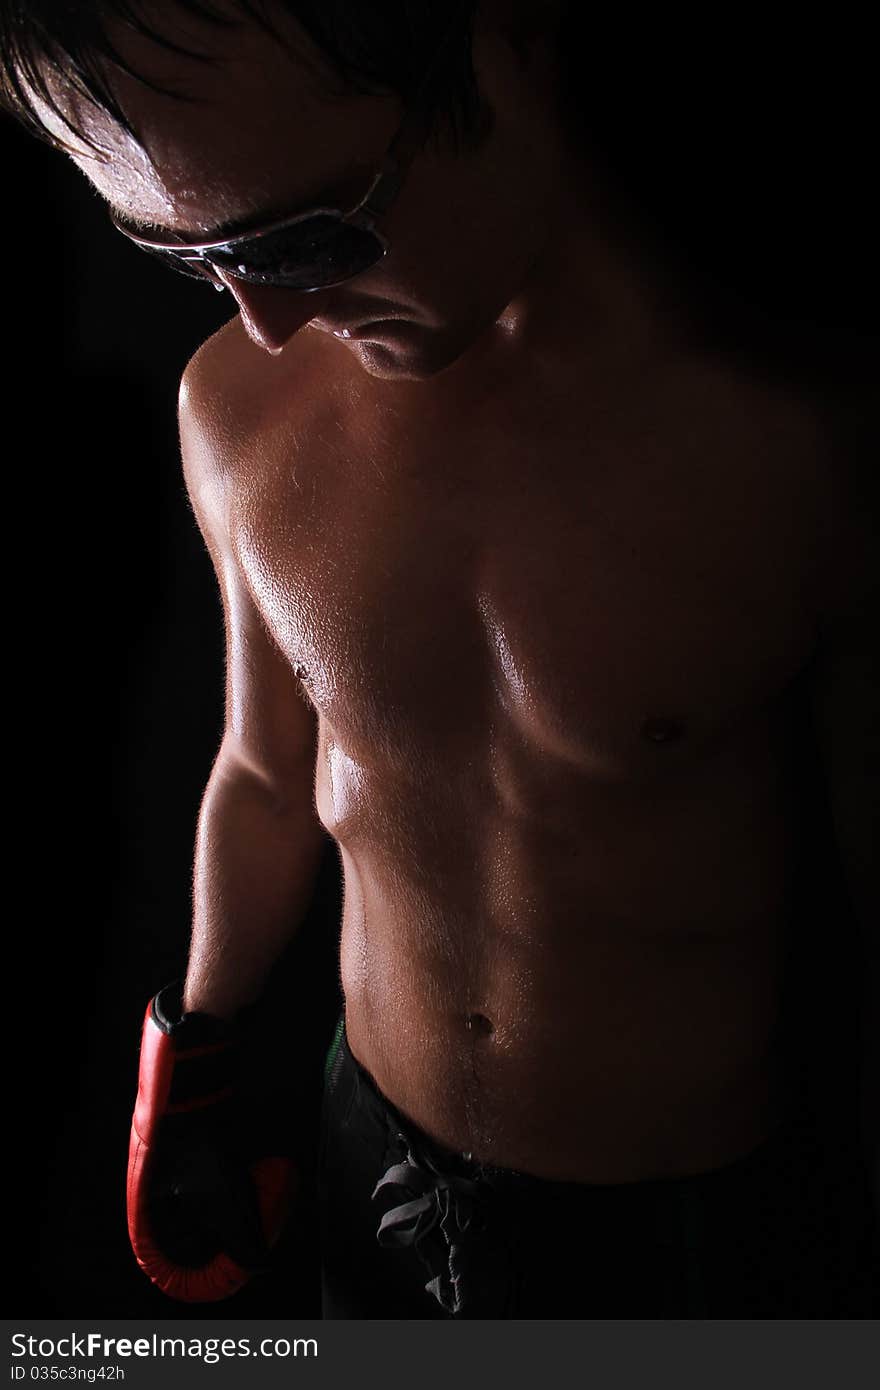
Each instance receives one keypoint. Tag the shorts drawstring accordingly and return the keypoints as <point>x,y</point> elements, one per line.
<point>442,1200</point>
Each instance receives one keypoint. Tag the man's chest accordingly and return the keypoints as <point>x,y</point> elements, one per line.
<point>596,579</point>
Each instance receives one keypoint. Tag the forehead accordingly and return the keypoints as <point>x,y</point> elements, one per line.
<point>265,122</point>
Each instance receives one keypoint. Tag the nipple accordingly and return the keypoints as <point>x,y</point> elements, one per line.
<point>663,730</point>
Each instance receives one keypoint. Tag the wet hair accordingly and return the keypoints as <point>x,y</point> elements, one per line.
<point>383,47</point>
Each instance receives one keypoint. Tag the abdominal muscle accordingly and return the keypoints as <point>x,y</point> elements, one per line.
<point>599,1017</point>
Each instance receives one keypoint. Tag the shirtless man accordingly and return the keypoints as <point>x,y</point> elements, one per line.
<point>522,578</point>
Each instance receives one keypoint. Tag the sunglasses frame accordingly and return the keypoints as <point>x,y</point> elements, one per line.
<point>193,257</point>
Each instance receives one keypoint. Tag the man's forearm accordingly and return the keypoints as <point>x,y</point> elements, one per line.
<point>254,874</point>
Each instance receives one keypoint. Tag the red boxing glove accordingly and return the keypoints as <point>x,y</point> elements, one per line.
<point>207,1196</point>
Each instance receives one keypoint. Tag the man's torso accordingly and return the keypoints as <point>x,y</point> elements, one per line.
<point>551,625</point>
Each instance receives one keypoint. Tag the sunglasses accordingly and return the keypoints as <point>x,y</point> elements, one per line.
<point>317,248</point>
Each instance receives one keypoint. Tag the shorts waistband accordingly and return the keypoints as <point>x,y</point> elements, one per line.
<point>754,1166</point>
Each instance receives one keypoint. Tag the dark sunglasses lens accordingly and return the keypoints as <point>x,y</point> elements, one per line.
<point>310,254</point>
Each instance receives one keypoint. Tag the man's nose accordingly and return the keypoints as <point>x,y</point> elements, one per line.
<point>270,315</point>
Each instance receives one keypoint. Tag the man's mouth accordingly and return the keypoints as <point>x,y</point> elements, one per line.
<point>368,328</point>
<point>376,328</point>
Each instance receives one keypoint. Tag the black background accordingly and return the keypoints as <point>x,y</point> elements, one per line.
<point>115,707</point>
<point>114,625</point>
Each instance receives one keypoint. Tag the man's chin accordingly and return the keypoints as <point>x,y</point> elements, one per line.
<point>387,360</point>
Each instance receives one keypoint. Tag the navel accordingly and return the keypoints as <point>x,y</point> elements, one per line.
<point>663,730</point>
<point>481,1025</point>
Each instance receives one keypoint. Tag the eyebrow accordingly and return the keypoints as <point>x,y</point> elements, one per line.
<point>338,195</point>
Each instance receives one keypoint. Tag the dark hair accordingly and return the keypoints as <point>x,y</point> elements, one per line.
<point>744,190</point>
<point>381,47</point>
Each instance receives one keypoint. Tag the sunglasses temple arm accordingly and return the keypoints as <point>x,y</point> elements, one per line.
<point>414,130</point>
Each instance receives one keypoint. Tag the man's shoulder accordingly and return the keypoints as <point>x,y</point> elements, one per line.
<point>230,389</point>
<point>219,355</point>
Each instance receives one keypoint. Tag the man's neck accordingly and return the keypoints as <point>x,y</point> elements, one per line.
<point>587,294</point>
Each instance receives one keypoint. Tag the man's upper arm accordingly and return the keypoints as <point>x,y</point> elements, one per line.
<point>269,725</point>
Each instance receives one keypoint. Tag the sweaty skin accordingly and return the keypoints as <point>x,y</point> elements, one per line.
<point>551,625</point>
<point>548,569</point>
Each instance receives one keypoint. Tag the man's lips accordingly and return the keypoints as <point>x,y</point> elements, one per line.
<point>359,330</point>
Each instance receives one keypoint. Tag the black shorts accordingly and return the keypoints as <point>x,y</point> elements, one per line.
<point>411,1229</point>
